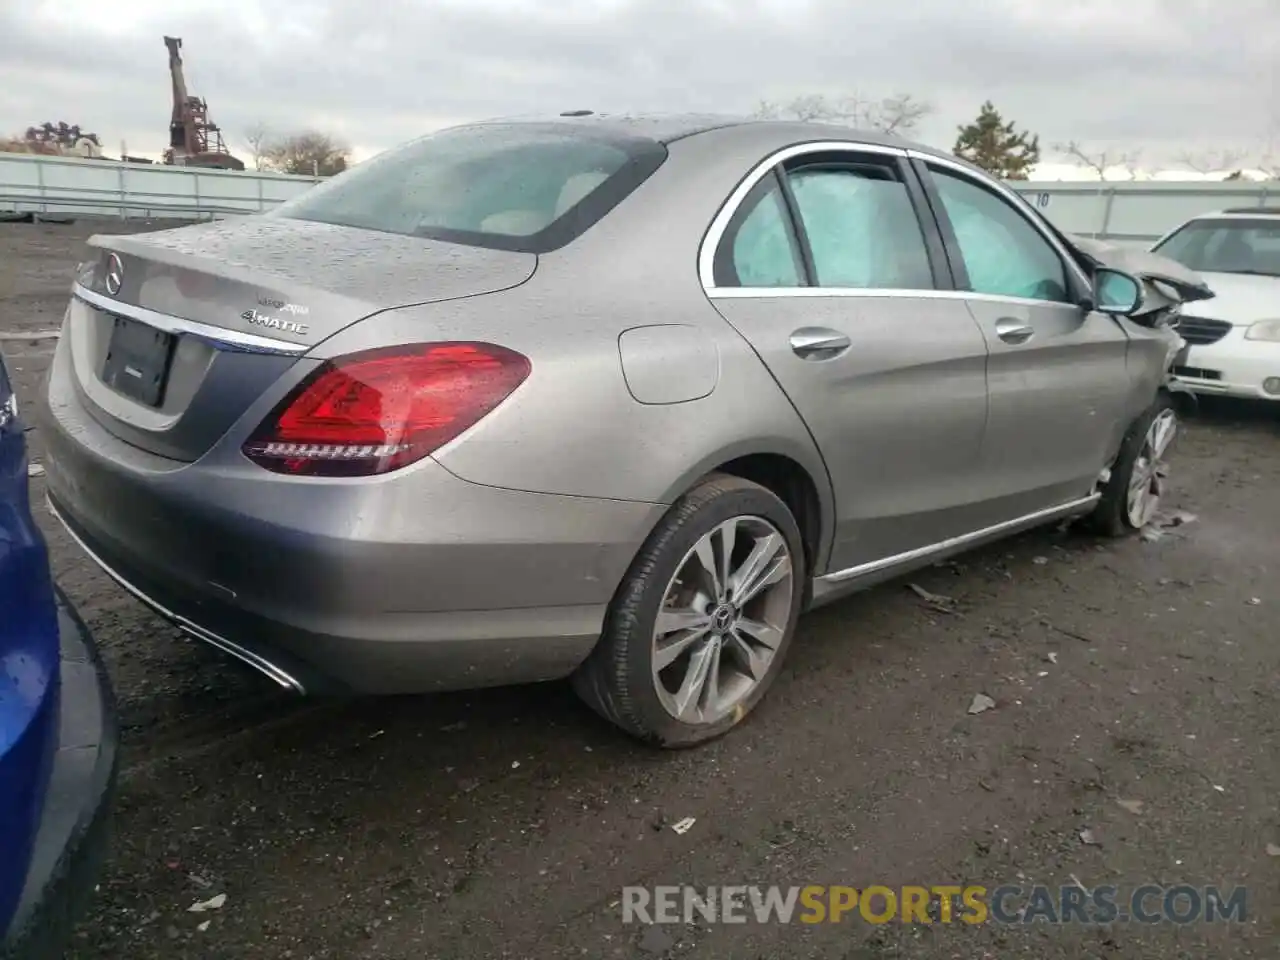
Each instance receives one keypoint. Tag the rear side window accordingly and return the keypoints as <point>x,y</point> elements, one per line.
<point>861,226</point>
<point>857,222</point>
<point>759,248</point>
<point>513,186</point>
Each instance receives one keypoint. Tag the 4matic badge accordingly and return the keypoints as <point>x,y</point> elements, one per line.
<point>275,323</point>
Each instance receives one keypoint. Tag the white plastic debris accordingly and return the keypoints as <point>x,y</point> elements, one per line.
<point>981,703</point>
<point>1088,839</point>
<point>204,926</point>
<point>1162,522</point>
<point>1133,806</point>
<point>937,601</point>
<point>1219,788</point>
<point>1273,850</point>
<point>684,826</point>
<point>35,470</point>
<point>1052,657</point>
<point>213,903</point>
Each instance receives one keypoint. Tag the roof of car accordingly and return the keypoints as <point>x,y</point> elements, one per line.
<point>669,127</point>
<point>1240,213</point>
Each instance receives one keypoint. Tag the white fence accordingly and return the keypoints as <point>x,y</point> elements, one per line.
<point>1128,212</point>
<point>1139,211</point>
<point>67,186</point>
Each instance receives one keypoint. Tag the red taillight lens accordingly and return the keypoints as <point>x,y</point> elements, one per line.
<point>379,410</point>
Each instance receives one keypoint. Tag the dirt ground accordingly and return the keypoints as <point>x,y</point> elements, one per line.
<point>505,823</point>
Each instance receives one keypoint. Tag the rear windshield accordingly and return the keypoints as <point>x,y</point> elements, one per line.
<point>514,186</point>
<point>1227,246</point>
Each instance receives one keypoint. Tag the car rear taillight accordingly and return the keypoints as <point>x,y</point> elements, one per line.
<point>379,410</point>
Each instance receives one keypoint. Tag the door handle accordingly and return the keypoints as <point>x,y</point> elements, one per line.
<point>1014,331</point>
<point>818,343</point>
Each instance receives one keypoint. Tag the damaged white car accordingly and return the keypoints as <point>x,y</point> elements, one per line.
<point>1234,341</point>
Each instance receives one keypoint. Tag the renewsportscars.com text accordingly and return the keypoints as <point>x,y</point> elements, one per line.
<point>1007,904</point>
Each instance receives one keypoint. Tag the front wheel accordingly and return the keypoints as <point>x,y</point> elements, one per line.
<point>1137,483</point>
<point>700,625</point>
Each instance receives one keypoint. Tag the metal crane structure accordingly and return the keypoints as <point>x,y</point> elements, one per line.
<point>194,140</point>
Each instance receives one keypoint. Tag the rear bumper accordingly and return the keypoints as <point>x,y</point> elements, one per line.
<point>72,835</point>
<point>415,582</point>
<point>388,654</point>
<point>1233,367</point>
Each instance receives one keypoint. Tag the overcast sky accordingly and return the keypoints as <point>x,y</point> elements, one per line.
<point>1160,75</point>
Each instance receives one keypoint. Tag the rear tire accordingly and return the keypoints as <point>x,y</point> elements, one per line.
<point>1133,492</point>
<point>696,634</point>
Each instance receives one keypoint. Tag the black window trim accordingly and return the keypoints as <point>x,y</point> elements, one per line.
<point>800,234</point>
<point>942,223</point>
<point>944,272</point>
<point>1071,270</point>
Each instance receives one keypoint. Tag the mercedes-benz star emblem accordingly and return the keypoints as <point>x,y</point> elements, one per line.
<point>114,276</point>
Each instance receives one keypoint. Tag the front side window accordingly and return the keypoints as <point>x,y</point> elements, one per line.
<point>1003,253</point>
<point>1226,246</point>
<point>861,226</point>
<point>517,186</point>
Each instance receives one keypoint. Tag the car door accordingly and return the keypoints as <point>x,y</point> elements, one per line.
<point>1056,375</point>
<point>830,272</point>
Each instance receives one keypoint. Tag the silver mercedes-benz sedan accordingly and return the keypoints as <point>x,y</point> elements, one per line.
<point>609,398</point>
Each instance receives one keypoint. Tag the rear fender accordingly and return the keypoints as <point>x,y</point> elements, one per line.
<point>805,457</point>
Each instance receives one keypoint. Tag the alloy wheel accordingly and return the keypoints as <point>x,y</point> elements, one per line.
<point>723,617</point>
<point>1146,485</point>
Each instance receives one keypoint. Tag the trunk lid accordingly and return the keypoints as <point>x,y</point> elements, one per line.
<point>174,334</point>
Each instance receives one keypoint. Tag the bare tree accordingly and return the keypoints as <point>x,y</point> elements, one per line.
<point>258,138</point>
<point>1211,161</point>
<point>900,113</point>
<point>309,153</point>
<point>812,106</point>
<point>1104,161</point>
<point>1131,163</point>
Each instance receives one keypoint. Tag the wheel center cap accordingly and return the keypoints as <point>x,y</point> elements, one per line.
<point>723,618</point>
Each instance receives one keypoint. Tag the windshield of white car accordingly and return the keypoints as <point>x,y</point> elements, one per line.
<point>529,187</point>
<point>1226,245</point>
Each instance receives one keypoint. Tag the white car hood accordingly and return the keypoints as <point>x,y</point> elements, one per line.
<point>1241,298</point>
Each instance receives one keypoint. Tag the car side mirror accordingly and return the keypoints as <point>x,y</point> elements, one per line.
<point>1117,292</point>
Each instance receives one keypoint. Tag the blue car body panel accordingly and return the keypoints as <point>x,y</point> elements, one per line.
<point>58,731</point>
<point>29,662</point>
